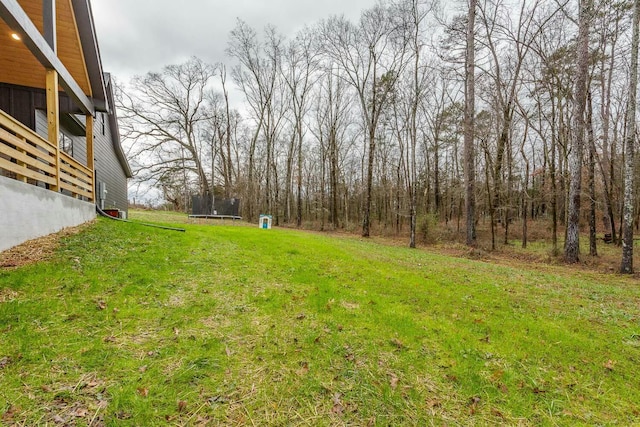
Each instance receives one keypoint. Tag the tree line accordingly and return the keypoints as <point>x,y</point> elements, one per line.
<point>416,114</point>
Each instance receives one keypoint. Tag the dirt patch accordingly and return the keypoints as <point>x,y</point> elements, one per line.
<point>36,250</point>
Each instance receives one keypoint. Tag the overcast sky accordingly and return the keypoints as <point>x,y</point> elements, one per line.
<point>138,36</point>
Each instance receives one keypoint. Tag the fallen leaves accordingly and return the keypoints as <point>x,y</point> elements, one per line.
<point>10,413</point>
<point>609,365</point>
<point>497,413</point>
<point>79,404</point>
<point>143,391</point>
<point>337,407</point>
<point>5,361</point>
<point>304,369</point>
<point>434,403</point>
<point>397,343</point>
<point>349,356</point>
<point>393,381</point>
<point>473,404</point>
<point>80,412</point>
<point>123,415</point>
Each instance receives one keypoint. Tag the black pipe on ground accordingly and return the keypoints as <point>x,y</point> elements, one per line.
<point>104,214</point>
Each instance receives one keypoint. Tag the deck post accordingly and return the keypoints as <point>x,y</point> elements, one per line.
<point>53,97</point>
<point>90,162</point>
<point>53,119</point>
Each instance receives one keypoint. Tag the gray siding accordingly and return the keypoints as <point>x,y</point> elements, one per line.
<point>79,141</point>
<point>108,167</point>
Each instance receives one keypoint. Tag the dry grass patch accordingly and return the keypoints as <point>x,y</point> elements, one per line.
<point>36,250</point>
<point>8,295</point>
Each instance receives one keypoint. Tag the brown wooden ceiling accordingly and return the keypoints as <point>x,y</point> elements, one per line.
<point>18,66</point>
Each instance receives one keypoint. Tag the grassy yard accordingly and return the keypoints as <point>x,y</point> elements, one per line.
<point>233,325</point>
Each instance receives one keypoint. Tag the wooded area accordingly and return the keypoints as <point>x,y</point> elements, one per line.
<point>420,113</point>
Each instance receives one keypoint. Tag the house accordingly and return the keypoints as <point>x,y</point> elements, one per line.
<point>60,152</point>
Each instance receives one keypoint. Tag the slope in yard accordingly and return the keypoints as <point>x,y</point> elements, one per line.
<point>130,325</point>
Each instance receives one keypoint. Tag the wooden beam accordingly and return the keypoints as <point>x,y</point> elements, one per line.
<point>90,164</point>
<point>53,118</point>
<point>49,24</point>
<point>18,20</point>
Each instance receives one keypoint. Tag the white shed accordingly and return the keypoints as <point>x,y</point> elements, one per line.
<point>265,222</point>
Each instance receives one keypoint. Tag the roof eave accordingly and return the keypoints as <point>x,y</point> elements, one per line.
<point>115,130</point>
<point>17,19</point>
<point>91,51</point>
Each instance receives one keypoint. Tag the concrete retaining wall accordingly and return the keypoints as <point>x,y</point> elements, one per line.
<point>28,212</point>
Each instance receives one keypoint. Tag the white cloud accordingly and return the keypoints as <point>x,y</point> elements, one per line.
<point>144,35</point>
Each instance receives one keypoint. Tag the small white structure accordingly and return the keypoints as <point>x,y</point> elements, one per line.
<point>265,221</point>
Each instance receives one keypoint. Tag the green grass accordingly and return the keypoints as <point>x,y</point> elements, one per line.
<point>131,325</point>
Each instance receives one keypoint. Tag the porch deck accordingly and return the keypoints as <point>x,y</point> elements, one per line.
<point>27,157</point>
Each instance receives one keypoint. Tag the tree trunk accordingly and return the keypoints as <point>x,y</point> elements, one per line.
<point>593,250</point>
<point>489,197</point>
<point>626,266</point>
<point>288,180</point>
<point>525,191</point>
<point>572,244</point>
<point>366,222</point>
<point>299,182</point>
<point>229,165</point>
<point>469,127</point>
<point>333,177</point>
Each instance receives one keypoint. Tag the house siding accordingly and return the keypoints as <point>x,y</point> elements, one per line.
<point>108,168</point>
<point>20,102</point>
<point>79,142</point>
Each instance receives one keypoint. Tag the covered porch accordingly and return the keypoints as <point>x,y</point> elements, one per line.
<point>49,55</point>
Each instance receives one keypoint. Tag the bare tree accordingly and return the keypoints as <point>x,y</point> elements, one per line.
<point>572,243</point>
<point>331,122</point>
<point>227,158</point>
<point>630,141</point>
<point>300,63</point>
<point>469,128</point>
<point>372,55</point>
<point>161,117</point>
<point>609,28</point>
<point>256,75</point>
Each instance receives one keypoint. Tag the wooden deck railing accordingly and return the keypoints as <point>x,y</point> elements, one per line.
<point>75,177</point>
<point>26,156</point>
